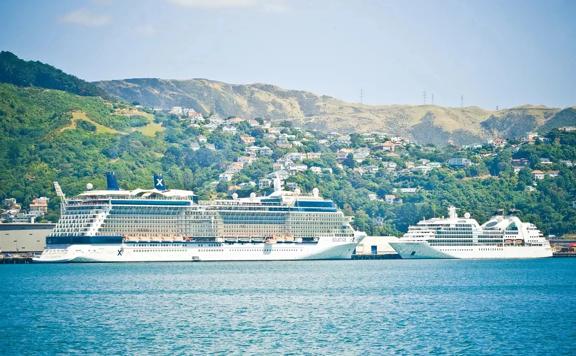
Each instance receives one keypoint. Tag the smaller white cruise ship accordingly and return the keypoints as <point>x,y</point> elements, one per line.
<point>462,237</point>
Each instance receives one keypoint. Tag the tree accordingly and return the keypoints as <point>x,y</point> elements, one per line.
<point>349,161</point>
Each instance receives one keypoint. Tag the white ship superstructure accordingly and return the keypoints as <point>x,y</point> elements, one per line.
<point>140,225</point>
<point>462,237</point>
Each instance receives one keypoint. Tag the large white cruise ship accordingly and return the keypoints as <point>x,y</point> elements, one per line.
<point>462,237</point>
<point>115,225</point>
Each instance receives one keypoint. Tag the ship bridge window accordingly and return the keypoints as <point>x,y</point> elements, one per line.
<point>512,227</point>
<point>314,204</point>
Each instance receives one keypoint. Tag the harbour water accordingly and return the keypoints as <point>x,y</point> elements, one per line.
<point>314,307</point>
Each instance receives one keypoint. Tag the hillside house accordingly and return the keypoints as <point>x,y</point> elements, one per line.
<point>387,146</point>
<point>520,162</point>
<point>313,155</point>
<point>226,176</point>
<point>39,206</point>
<point>247,140</point>
<point>342,153</point>
<point>264,183</point>
<point>421,169</point>
<point>316,170</point>
<point>392,199</point>
<point>540,175</point>
<point>459,162</point>
<point>194,146</point>
<point>361,154</point>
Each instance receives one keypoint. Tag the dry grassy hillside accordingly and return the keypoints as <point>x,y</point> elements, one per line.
<point>423,123</point>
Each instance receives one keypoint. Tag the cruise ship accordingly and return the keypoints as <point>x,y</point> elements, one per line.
<point>161,224</point>
<point>462,237</point>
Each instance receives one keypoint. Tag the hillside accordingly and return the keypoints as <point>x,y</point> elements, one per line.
<point>422,123</point>
<point>23,73</point>
<point>49,135</point>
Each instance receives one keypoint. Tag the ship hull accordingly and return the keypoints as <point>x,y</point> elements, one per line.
<point>197,252</point>
<point>422,250</point>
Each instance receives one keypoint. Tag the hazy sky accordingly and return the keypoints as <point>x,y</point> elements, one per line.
<point>502,53</point>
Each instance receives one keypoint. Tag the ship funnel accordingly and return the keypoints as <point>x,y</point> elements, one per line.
<point>111,182</point>
<point>159,183</point>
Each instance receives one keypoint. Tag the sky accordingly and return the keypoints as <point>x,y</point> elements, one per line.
<point>490,53</point>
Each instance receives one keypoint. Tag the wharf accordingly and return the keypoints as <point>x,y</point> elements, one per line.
<point>564,254</point>
<point>15,259</point>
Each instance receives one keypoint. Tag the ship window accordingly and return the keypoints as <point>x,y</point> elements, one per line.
<point>512,227</point>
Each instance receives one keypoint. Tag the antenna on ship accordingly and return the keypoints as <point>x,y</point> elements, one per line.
<point>60,194</point>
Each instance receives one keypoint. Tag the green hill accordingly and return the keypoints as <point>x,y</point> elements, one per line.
<point>23,73</point>
<point>49,135</point>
